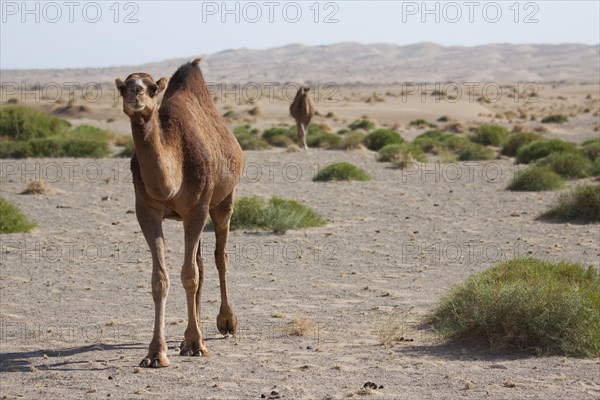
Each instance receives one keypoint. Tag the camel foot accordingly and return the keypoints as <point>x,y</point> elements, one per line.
<point>227,322</point>
<point>193,348</point>
<point>155,360</point>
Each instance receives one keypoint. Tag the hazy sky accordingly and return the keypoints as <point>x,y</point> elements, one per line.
<point>105,33</point>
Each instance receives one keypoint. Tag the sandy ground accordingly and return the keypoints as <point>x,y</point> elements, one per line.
<point>76,311</point>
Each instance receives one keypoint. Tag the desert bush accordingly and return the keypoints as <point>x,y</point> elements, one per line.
<point>89,133</point>
<point>362,124</point>
<point>591,148</point>
<point>568,165</point>
<point>516,141</point>
<point>382,137</point>
<point>325,140</point>
<point>248,138</point>
<point>542,148</point>
<point>280,137</point>
<point>22,123</point>
<point>36,187</point>
<point>13,221</point>
<point>581,204</point>
<point>396,151</point>
<point>341,171</point>
<point>536,179</point>
<point>555,119</point>
<point>420,123</point>
<point>474,151</point>
<point>278,215</point>
<point>352,140</point>
<point>490,135</point>
<point>526,303</point>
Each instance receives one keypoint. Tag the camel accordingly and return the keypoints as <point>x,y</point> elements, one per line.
<point>185,166</point>
<point>302,110</point>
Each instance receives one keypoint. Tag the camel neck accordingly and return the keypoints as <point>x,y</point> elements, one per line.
<point>159,170</point>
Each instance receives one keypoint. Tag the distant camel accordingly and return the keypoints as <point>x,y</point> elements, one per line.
<point>185,166</point>
<point>302,109</point>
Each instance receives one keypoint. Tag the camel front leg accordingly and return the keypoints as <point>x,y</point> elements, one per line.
<point>301,135</point>
<point>221,216</point>
<point>151,223</point>
<point>193,343</point>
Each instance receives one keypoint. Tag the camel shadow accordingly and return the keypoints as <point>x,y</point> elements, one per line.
<point>21,361</point>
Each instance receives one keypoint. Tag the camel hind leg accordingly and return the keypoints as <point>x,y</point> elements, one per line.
<point>221,217</point>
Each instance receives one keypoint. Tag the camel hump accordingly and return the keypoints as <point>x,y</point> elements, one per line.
<point>197,61</point>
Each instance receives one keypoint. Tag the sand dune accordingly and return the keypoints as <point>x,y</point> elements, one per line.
<point>348,62</point>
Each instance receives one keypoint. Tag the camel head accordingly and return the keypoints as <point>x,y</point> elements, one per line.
<point>140,94</point>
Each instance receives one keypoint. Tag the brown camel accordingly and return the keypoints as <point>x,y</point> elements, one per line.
<point>186,165</point>
<point>302,110</point>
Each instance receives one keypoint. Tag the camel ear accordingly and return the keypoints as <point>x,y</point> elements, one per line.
<point>306,89</point>
<point>197,61</point>
<point>162,84</point>
<point>120,85</point>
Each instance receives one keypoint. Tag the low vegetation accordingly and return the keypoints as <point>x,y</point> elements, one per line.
<point>490,135</point>
<point>363,124</point>
<point>526,304</point>
<point>555,119</point>
<point>536,179</point>
<point>249,139</point>
<point>421,123</point>
<point>542,148</point>
<point>440,143</point>
<point>516,141</point>
<point>570,165</point>
<point>581,204</point>
<point>392,330</point>
<point>382,137</point>
<point>341,171</point>
<point>401,154</point>
<point>278,215</point>
<point>13,221</point>
<point>30,133</point>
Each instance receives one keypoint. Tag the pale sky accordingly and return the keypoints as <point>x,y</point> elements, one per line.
<point>61,34</point>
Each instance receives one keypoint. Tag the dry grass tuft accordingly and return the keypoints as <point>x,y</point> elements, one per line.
<point>299,326</point>
<point>36,187</point>
<point>392,330</point>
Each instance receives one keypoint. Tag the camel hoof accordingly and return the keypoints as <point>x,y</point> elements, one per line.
<point>193,350</point>
<point>155,362</point>
<point>227,323</point>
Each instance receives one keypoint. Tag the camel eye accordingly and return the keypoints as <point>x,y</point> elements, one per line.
<point>153,90</point>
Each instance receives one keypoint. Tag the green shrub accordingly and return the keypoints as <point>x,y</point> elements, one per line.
<point>474,151</point>
<point>536,179</point>
<point>382,137</point>
<point>280,137</point>
<point>595,170</point>
<point>490,135</point>
<point>362,124</point>
<point>581,204</point>
<point>89,133</point>
<point>324,140</point>
<point>541,148</point>
<point>85,148</point>
<point>422,123</point>
<point>516,141</point>
<point>526,303</point>
<point>352,140</point>
<point>430,141</point>
<point>12,221</point>
<point>23,123</point>
<point>248,138</point>
<point>15,150</point>
<point>279,215</point>
<point>591,148</point>
<point>395,151</point>
<point>568,165</point>
<point>341,171</point>
<point>555,119</point>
